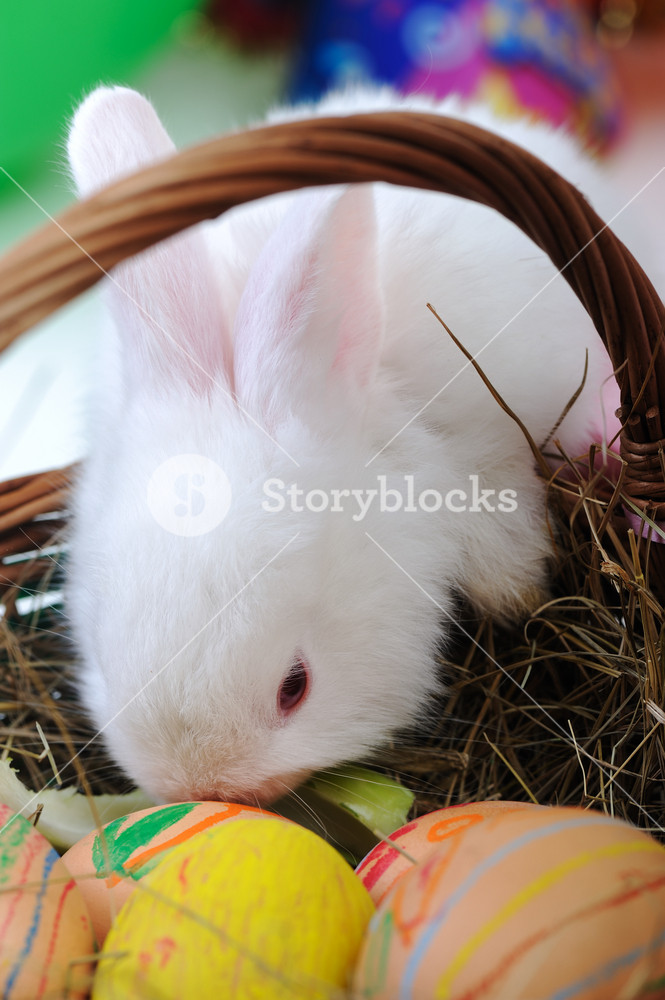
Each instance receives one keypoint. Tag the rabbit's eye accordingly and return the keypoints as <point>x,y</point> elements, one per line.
<point>294,687</point>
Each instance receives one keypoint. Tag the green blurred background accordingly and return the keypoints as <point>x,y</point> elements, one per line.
<point>52,53</point>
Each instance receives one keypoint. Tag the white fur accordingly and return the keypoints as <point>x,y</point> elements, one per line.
<point>335,358</point>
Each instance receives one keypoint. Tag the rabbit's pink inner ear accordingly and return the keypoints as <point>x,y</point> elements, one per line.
<point>165,301</point>
<point>169,317</point>
<point>279,348</point>
<point>311,309</point>
<point>353,263</point>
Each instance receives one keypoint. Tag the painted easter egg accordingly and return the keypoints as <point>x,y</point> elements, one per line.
<point>246,909</point>
<point>381,868</point>
<point>46,939</point>
<point>528,905</point>
<point>107,864</point>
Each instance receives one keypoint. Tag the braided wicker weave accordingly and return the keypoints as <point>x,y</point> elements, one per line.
<point>69,255</point>
<point>420,150</point>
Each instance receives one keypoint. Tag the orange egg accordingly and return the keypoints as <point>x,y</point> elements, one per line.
<point>530,905</point>
<point>381,868</point>
<point>107,866</point>
<point>46,939</point>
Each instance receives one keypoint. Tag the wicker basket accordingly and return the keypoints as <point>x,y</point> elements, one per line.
<point>426,151</point>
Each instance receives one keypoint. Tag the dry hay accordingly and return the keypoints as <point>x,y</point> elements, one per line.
<point>566,708</point>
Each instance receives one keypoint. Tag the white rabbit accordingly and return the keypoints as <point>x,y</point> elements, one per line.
<point>290,343</point>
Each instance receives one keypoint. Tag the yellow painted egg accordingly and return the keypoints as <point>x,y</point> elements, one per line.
<point>532,905</point>
<point>107,865</point>
<point>244,910</point>
<point>381,868</point>
<point>46,939</point>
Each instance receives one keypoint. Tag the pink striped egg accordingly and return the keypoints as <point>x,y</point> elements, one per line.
<point>541,904</point>
<point>415,841</point>
<point>46,939</point>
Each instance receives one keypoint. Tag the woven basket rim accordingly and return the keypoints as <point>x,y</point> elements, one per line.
<point>70,253</point>
<point>49,268</point>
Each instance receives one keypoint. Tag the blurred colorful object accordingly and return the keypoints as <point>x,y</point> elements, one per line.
<point>538,56</point>
<point>46,939</point>
<point>52,52</point>
<point>258,23</point>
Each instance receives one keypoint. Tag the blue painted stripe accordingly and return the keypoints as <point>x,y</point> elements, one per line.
<point>439,919</point>
<point>607,971</point>
<point>49,861</point>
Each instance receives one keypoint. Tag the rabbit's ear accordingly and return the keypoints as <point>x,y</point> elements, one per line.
<point>164,301</point>
<point>311,310</point>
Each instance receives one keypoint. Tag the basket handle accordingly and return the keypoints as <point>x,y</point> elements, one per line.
<point>420,150</point>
